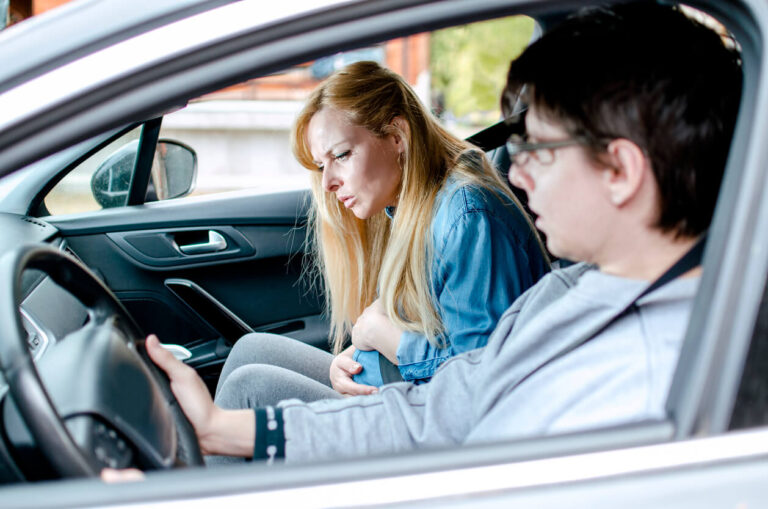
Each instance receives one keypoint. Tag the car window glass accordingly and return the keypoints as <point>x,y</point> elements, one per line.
<point>76,192</point>
<point>242,134</point>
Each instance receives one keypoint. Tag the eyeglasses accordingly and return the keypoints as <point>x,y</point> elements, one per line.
<point>520,150</point>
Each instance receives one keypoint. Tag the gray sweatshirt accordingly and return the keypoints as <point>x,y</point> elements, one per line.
<point>512,388</point>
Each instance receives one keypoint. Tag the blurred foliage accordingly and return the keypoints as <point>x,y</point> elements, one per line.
<point>469,63</point>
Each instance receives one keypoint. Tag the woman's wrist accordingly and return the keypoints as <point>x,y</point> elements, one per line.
<point>229,433</point>
<point>359,343</point>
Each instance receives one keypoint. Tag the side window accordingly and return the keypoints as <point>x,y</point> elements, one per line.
<point>238,138</point>
<point>104,180</point>
<point>242,133</point>
<point>74,193</point>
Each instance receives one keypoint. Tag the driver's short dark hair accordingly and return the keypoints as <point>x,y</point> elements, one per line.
<point>650,74</point>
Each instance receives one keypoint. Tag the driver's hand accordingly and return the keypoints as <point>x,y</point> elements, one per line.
<point>219,431</point>
<point>187,386</point>
<point>113,475</point>
<point>343,367</point>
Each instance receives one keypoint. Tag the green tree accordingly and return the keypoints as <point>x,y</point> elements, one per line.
<point>469,64</point>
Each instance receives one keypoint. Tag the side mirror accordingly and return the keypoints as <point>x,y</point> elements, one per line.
<point>111,181</point>
<point>174,169</point>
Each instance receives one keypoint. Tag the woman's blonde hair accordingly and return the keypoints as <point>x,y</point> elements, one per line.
<point>360,259</point>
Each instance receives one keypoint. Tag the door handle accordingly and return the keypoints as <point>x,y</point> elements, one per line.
<point>216,242</point>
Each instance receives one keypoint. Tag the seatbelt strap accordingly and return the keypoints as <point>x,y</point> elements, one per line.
<point>390,373</point>
<point>690,260</point>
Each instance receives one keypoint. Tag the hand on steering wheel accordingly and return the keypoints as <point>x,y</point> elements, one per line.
<point>93,400</point>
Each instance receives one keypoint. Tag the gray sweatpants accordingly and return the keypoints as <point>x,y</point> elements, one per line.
<point>263,369</point>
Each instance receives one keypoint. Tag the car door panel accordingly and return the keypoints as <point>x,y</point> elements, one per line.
<point>171,248</point>
<point>204,301</point>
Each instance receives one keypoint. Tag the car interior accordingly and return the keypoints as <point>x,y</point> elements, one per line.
<point>152,253</point>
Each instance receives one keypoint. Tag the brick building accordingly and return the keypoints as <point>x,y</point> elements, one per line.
<point>22,9</point>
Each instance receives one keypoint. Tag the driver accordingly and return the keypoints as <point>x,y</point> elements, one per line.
<point>622,167</point>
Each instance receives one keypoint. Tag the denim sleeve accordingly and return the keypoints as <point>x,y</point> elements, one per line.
<point>371,373</point>
<point>479,270</point>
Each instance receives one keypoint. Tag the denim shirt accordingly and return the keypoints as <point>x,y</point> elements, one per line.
<point>485,255</point>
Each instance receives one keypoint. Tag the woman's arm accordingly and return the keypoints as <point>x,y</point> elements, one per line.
<point>375,331</point>
<point>485,257</point>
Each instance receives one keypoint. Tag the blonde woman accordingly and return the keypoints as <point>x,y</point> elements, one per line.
<point>419,243</point>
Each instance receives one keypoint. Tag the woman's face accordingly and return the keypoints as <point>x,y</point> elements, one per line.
<point>361,169</point>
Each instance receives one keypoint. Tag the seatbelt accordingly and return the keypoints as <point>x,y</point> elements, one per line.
<point>690,260</point>
<point>390,373</point>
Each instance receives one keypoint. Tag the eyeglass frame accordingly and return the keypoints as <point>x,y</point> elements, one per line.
<point>517,148</point>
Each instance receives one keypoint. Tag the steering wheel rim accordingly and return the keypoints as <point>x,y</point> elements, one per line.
<point>27,388</point>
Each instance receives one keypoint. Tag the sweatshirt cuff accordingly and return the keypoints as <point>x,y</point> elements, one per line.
<point>269,442</point>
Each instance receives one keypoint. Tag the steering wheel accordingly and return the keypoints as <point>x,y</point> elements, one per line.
<point>94,399</point>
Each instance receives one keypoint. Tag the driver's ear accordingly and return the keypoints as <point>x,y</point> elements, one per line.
<point>628,167</point>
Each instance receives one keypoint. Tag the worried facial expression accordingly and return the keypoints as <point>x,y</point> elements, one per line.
<point>567,194</point>
<point>361,169</point>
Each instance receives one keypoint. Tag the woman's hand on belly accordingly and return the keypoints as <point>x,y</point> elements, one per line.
<point>343,368</point>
